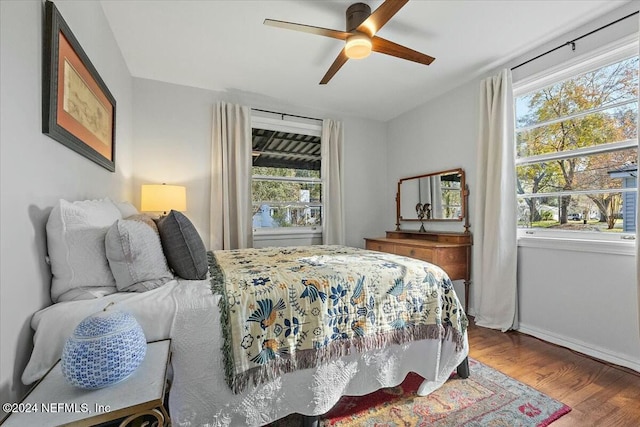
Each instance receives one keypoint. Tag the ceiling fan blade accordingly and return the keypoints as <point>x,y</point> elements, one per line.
<point>387,47</point>
<point>327,32</point>
<point>337,64</point>
<point>380,16</point>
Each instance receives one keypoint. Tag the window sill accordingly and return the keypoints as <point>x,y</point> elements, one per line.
<point>282,233</point>
<point>616,247</point>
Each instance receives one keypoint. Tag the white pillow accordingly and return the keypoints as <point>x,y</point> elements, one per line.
<point>135,255</point>
<point>126,209</point>
<point>75,241</point>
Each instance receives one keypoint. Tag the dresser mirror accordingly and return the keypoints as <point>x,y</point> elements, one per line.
<point>437,196</point>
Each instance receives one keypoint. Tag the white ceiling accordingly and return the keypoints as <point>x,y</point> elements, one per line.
<point>224,46</point>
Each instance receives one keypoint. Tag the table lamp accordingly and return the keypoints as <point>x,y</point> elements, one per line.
<point>163,198</point>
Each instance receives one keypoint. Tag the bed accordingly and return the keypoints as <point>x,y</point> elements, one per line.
<point>209,388</point>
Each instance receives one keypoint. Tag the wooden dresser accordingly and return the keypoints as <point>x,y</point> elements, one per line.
<point>450,251</point>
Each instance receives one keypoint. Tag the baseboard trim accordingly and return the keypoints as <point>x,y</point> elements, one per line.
<point>581,347</point>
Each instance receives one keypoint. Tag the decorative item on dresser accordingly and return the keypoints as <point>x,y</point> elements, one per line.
<point>446,196</point>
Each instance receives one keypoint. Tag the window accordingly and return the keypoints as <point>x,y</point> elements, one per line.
<point>576,136</point>
<point>286,186</point>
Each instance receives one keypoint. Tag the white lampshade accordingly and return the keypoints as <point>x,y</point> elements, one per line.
<point>358,46</point>
<point>163,198</point>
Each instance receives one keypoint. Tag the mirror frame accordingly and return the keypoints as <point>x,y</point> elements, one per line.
<point>463,199</point>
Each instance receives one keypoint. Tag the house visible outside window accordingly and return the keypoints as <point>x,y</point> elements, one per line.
<point>286,186</point>
<point>576,136</point>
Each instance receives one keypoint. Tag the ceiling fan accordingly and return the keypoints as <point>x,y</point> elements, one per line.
<point>360,37</point>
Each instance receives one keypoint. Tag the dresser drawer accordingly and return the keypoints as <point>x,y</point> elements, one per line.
<point>373,245</point>
<point>449,239</point>
<point>424,254</point>
<point>451,256</point>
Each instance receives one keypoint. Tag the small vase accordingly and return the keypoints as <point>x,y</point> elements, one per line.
<point>104,349</point>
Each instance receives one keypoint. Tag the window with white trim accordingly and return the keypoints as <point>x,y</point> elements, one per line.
<point>576,143</point>
<point>286,186</point>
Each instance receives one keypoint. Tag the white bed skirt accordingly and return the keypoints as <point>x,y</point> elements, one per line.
<point>187,312</point>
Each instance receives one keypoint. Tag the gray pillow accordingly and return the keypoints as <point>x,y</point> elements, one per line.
<point>135,256</point>
<point>183,246</point>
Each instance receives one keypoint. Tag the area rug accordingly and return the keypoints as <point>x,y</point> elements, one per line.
<point>487,398</point>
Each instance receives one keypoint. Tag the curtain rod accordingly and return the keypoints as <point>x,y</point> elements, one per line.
<point>285,114</point>
<point>572,43</point>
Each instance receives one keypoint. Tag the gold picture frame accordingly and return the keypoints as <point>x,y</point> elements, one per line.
<point>78,110</point>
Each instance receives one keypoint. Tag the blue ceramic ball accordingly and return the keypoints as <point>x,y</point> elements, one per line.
<point>105,348</point>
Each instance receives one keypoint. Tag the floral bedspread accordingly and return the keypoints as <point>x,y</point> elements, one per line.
<point>293,308</point>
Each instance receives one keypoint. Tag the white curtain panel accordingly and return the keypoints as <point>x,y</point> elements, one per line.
<point>231,178</point>
<point>638,215</point>
<point>332,177</point>
<point>495,284</point>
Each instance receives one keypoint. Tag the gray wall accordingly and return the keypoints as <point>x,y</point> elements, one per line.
<point>583,300</point>
<point>173,145</point>
<point>36,170</point>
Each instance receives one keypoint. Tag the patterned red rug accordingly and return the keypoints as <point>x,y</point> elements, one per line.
<point>487,398</point>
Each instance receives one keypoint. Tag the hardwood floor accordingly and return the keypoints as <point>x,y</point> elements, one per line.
<point>599,394</point>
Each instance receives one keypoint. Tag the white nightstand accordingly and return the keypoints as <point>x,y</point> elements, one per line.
<point>54,402</point>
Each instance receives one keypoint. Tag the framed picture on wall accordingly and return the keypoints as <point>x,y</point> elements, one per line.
<point>77,108</point>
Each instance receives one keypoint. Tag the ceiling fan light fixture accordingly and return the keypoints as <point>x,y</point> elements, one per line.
<point>359,36</point>
<point>358,46</point>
